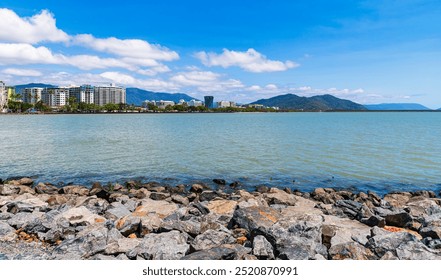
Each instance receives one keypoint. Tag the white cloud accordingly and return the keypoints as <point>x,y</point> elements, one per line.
<point>154,70</point>
<point>251,61</point>
<point>206,81</point>
<point>22,72</point>
<point>21,54</point>
<point>38,28</point>
<point>130,48</point>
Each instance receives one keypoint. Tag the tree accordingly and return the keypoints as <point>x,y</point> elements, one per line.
<point>13,102</point>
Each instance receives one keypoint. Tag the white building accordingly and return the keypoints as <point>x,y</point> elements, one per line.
<point>195,103</point>
<point>109,95</point>
<point>31,95</point>
<point>225,104</point>
<point>164,103</point>
<point>84,94</point>
<point>55,97</point>
<point>3,97</point>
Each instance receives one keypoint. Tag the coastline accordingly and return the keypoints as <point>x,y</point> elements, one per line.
<point>149,220</point>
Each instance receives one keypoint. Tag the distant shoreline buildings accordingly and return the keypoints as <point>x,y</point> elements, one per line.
<point>56,97</point>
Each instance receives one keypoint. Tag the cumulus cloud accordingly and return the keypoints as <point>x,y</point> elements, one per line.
<point>251,61</point>
<point>206,81</point>
<point>38,28</point>
<point>130,48</point>
<point>22,72</point>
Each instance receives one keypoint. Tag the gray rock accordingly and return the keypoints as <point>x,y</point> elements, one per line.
<point>74,189</point>
<point>95,205</point>
<point>122,245</point>
<point>25,204</point>
<point>352,251</point>
<point>42,188</point>
<point>7,233</point>
<point>256,218</point>
<point>26,181</point>
<point>415,250</point>
<point>398,219</point>
<point>159,195</point>
<point>262,248</point>
<point>217,253</point>
<point>180,199</point>
<point>163,246</point>
<point>80,216</point>
<point>88,242</point>
<point>9,189</point>
<point>22,219</point>
<point>431,231</point>
<point>128,224</point>
<point>116,211</point>
<point>191,226</point>
<point>351,208</point>
<point>277,196</point>
<point>296,237</point>
<point>383,241</point>
<point>208,195</point>
<point>211,238</point>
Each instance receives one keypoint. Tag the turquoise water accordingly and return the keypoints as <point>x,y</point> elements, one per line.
<point>379,151</point>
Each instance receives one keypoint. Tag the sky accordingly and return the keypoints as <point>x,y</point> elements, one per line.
<point>378,51</point>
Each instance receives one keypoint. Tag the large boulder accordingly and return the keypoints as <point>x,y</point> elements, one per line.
<point>163,246</point>
<point>211,238</point>
<point>352,251</point>
<point>8,189</point>
<point>297,237</point>
<point>122,245</point>
<point>262,248</point>
<point>277,196</point>
<point>222,207</point>
<point>26,203</point>
<point>80,216</point>
<point>160,207</point>
<point>7,233</point>
<point>88,242</point>
<point>256,218</point>
<point>75,189</point>
<point>42,188</point>
<point>217,253</point>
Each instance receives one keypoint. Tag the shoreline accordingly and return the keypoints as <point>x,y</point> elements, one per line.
<point>149,220</point>
<point>222,112</point>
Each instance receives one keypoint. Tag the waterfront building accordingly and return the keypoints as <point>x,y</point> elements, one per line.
<point>55,97</point>
<point>31,95</point>
<point>3,97</point>
<point>11,92</point>
<point>84,94</point>
<point>195,103</point>
<point>109,95</point>
<point>208,101</point>
<point>225,104</point>
<point>164,103</point>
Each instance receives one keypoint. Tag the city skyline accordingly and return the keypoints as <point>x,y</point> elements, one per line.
<point>368,52</point>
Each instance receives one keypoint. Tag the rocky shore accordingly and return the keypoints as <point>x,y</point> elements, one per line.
<point>160,222</point>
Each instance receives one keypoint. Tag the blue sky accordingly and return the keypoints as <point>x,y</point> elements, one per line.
<point>366,51</point>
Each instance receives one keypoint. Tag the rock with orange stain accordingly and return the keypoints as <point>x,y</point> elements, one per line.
<point>253,218</point>
<point>222,207</point>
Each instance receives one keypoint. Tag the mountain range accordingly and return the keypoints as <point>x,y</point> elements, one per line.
<point>136,96</point>
<point>315,103</point>
<point>396,107</point>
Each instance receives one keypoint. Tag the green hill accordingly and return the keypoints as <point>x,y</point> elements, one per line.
<point>315,103</point>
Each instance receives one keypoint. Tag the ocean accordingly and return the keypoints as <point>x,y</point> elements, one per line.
<point>360,151</point>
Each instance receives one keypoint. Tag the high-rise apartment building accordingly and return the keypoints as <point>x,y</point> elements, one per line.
<point>208,101</point>
<point>55,97</point>
<point>3,97</point>
<point>109,94</point>
<point>31,95</point>
<point>84,94</point>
